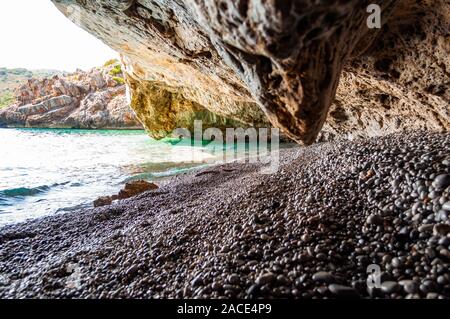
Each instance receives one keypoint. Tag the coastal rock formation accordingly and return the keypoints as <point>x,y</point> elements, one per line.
<point>402,81</point>
<point>131,189</point>
<point>135,188</point>
<point>280,61</point>
<point>94,99</point>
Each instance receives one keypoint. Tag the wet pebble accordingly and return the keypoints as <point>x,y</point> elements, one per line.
<point>265,278</point>
<point>343,291</point>
<point>323,276</point>
<point>374,219</point>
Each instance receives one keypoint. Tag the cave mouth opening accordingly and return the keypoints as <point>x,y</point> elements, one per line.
<point>111,188</point>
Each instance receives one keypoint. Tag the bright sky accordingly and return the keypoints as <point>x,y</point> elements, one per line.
<point>35,35</point>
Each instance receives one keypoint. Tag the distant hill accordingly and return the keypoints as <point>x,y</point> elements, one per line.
<point>93,99</point>
<point>11,79</point>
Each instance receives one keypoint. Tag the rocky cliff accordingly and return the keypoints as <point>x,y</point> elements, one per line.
<point>301,65</point>
<point>93,99</point>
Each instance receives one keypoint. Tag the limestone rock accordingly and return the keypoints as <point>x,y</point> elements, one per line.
<point>135,188</point>
<point>93,99</point>
<point>280,61</point>
<point>103,201</point>
<point>131,189</point>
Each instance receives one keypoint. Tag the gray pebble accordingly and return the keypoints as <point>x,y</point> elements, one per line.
<point>323,276</point>
<point>374,219</point>
<point>441,181</point>
<point>390,287</point>
<point>266,278</point>
<point>343,291</point>
<point>441,229</point>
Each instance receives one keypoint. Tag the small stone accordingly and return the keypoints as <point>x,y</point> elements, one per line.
<point>428,286</point>
<point>225,249</point>
<point>282,280</point>
<point>441,181</point>
<point>228,287</point>
<point>390,287</point>
<point>441,229</point>
<point>374,219</point>
<point>253,290</point>
<point>323,276</point>
<point>443,215</point>
<point>103,201</point>
<point>233,279</point>
<point>442,280</point>
<point>343,291</point>
<point>396,262</point>
<point>305,237</point>
<point>432,295</point>
<point>446,206</point>
<point>410,286</point>
<point>309,199</point>
<point>444,241</point>
<point>237,228</point>
<point>187,291</point>
<point>132,270</point>
<point>425,228</point>
<point>197,281</point>
<point>135,188</point>
<point>445,253</point>
<point>160,258</point>
<point>266,278</point>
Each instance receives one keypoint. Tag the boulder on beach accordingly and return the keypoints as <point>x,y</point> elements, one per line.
<point>131,189</point>
<point>135,188</point>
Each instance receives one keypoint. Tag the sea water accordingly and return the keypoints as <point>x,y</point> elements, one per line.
<point>46,171</point>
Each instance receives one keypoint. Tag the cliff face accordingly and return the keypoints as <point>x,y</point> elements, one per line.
<point>94,99</point>
<point>12,79</point>
<point>284,62</point>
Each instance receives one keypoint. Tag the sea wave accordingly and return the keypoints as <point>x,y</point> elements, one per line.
<point>23,191</point>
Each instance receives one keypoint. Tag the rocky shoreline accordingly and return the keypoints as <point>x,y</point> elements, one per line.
<point>95,99</point>
<point>309,231</point>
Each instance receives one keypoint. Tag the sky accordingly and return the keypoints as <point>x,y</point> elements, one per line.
<point>35,35</point>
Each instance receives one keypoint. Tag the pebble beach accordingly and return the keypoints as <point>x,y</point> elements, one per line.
<point>310,230</point>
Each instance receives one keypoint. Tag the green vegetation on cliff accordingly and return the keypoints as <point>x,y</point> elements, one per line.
<point>111,62</point>
<point>119,80</point>
<point>116,70</point>
<point>11,79</point>
<point>6,99</point>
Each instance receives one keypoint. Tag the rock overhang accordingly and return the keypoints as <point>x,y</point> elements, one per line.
<point>283,62</point>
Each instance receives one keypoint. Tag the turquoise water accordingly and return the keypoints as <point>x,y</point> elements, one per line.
<point>46,171</point>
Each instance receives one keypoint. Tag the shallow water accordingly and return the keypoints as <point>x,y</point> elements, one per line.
<point>45,171</point>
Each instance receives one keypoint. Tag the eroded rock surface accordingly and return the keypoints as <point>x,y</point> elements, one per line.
<point>280,61</point>
<point>94,99</point>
